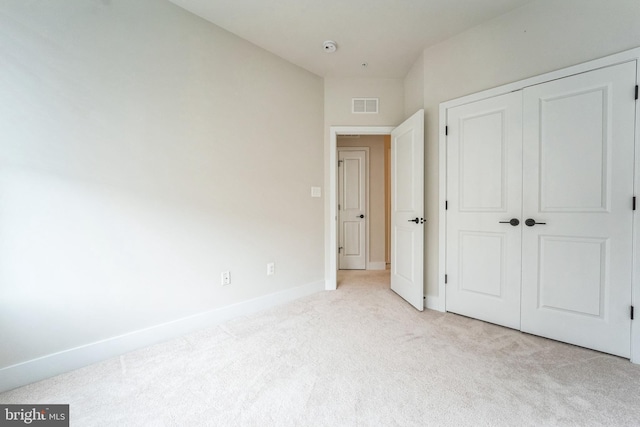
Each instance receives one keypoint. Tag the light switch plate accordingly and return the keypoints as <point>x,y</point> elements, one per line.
<point>316,192</point>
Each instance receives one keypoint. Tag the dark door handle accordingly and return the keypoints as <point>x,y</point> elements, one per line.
<point>360,216</point>
<point>530,222</point>
<point>513,221</point>
<point>417,220</point>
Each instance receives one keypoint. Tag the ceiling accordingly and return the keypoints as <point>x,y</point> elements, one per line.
<point>386,34</point>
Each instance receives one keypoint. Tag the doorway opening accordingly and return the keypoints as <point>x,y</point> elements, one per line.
<point>364,204</point>
<point>407,206</point>
<point>331,250</point>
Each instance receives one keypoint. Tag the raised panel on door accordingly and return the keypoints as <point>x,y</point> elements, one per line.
<point>578,186</point>
<point>352,175</point>
<point>484,169</point>
<point>571,266</point>
<point>351,230</point>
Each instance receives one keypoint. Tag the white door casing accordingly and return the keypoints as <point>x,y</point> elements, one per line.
<point>631,56</point>
<point>484,193</point>
<point>331,201</point>
<point>352,212</point>
<point>578,181</point>
<point>576,225</point>
<point>407,210</point>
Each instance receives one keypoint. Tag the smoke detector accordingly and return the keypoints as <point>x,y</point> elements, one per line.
<point>330,46</point>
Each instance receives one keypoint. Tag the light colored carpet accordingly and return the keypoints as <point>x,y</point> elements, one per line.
<point>359,356</point>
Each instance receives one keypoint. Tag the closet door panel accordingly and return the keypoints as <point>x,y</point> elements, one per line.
<point>578,142</point>
<point>484,192</point>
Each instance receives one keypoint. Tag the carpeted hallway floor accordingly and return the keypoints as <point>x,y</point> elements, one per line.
<point>359,356</point>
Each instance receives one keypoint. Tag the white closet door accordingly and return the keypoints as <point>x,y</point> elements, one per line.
<point>484,193</point>
<point>578,186</point>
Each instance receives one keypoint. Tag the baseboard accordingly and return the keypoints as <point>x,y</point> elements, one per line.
<point>57,363</point>
<point>433,303</point>
<point>377,265</point>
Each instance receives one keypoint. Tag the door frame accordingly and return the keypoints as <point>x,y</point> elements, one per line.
<point>367,224</point>
<point>331,202</point>
<point>619,58</point>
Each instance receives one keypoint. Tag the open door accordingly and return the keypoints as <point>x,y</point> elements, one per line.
<point>407,210</point>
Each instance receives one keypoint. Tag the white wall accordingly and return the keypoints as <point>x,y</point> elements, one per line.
<point>542,36</point>
<point>337,101</point>
<point>376,214</point>
<point>414,87</point>
<point>143,152</point>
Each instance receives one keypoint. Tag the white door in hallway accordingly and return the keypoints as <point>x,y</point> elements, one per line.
<point>352,201</point>
<point>578,189</point>
<point>484,198</point>
<point>407,210</point>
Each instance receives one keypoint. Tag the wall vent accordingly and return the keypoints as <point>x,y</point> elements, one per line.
<point>364,105</point>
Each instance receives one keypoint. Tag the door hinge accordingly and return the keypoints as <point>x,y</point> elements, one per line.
<point>340,162</point>
<point>636,92</point>
<point>446,130</point>
<point>631,312</point>
<point>338,206</point>
<point>446,279</point>
<point>446,205</point>
<point>634,203</point>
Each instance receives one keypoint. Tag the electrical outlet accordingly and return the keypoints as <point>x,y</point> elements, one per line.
<point>271,269</point>
<point>226,278</point>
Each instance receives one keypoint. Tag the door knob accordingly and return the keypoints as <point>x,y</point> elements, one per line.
<point>417,220</point>
<point>513,221</point>
<point>530,222</point>
<point>360,216</point>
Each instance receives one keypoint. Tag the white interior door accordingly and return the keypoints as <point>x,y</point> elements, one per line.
<point>352,202</point>
<point>407,210</point>
<point>484,198</point>
<point>578,187</point>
